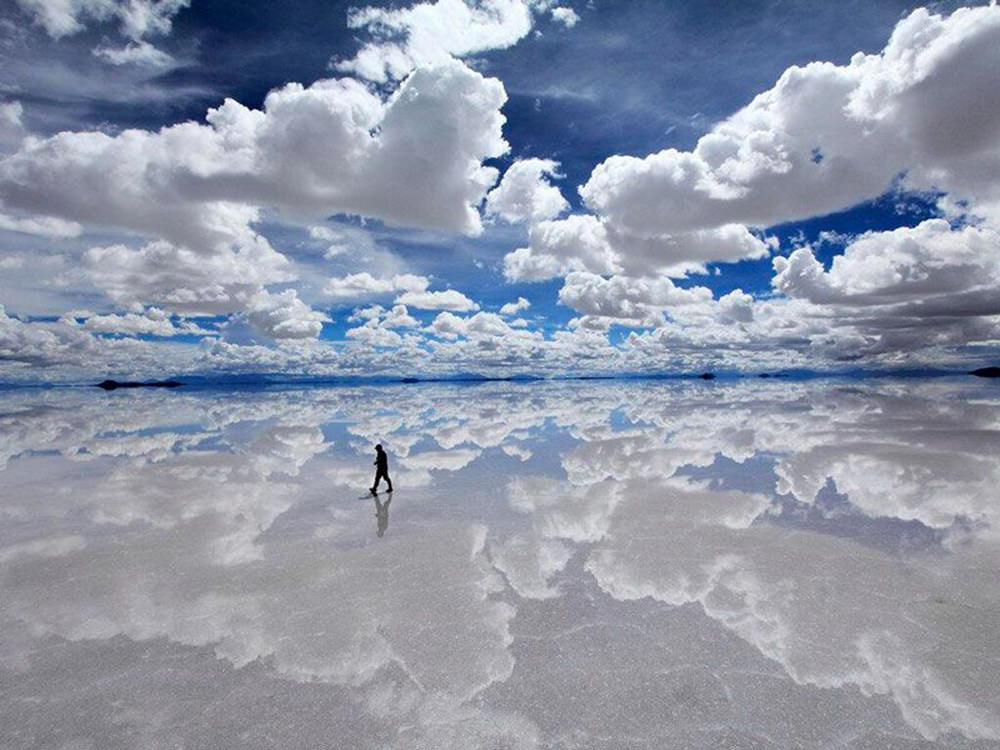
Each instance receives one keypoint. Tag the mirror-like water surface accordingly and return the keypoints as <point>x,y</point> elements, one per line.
<point>759,564</point>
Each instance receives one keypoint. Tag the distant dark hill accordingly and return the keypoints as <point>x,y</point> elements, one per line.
<point>110,385</point>
<point>707,376</point>
<point>986,372</point>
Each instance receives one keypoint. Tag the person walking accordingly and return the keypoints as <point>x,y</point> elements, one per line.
<point>381,469</point>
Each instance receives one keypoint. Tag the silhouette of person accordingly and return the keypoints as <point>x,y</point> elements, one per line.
<point>381,468</point>
<point>382,516</point>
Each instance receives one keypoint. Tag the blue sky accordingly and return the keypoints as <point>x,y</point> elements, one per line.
<point>666,186</point>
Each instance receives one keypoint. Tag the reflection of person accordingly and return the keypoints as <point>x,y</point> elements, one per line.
<point>382,515</point>
<point>381,468</point>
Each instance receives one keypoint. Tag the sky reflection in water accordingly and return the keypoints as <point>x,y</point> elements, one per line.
<point>609,564</point>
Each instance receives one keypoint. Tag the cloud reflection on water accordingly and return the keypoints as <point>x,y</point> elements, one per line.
<point>569,564</point>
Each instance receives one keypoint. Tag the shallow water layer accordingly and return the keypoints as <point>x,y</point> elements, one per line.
<point>758,564</point>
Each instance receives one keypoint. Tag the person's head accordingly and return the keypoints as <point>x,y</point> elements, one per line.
<point>379,447</point>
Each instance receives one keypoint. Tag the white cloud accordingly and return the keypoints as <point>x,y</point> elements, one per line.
<point>199,189</point>
<point>449,326</point>
<point>513,308</point>
<point>922,265</point>
<point>898,292</point>
<point>22,342</point>
<point>284,316</point>
<point>137,18</point>
<point>182,280</point>
<point>343,242</point>
<point>43,226</point>
<point>182,211</point>
<point>397,317</point>
<point>828,136</point>
<point>431,32</point>
<point>736,307</point>
<point>320,232</point>
<point>333,147</point>
<point>68,350</point>
<point>629,301</point>
<point>373,334</point>
<point>12,130</point>
<point>449,299</point>
<point>530,564</point>
<point>823,138</point>
<point>360,285</point>
<point>134,53</point>
<point>152,322</point>
<point>585,243</point>
<point>526,194</point>
<point>482,324</point>
<point>576,243</point>
<point>379,328</point>
<point>449,460</point>
<point>566,16</point>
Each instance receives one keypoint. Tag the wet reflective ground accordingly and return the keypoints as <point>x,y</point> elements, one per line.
<point>758,564</point>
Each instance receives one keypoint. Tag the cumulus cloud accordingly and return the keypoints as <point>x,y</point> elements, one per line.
<point>576,243</point>
<point>24,343</point>
<point>380,325</point>
<point>429,33</point>
<point>284,316</point>
<point>360,285</point>
<point>480,325</point>
<point>525,192</point>
<point>226,282</point>
<point>638,302</point>
<point>198,190</point>
<point>922,264</point>
<point>397,317</point>
<point>824,138</point>
<point>902,290</point>
<point>333,147</point>
<point>185,212</point>
<point>566,16</point>
<point>373,333</point>
<point>182,280</point>
<point>513,308</point>
<point>26,346</point>
<point>449,299</point>
<point>586,243</point>
<point>154,322</point>
<point>828,136</point>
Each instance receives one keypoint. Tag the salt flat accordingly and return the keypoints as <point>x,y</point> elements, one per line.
<point>748,564</point>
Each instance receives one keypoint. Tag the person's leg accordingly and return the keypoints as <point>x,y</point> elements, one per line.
<point>378,475</point>
<point>388,481</point>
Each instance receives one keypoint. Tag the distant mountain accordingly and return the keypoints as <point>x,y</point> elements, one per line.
<point>986,372</point>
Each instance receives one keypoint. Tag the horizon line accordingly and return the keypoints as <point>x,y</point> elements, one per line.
<point>279,379</point>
